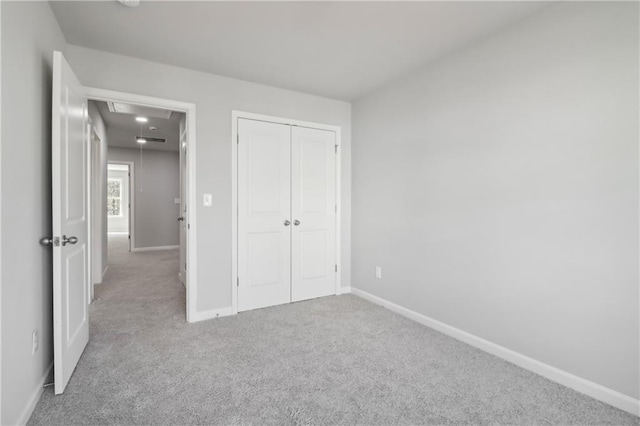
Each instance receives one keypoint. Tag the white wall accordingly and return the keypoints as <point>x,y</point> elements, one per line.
<point>99,179</point>
<point>498,190</point>
<point>156,186</point>
<point>215,97</point>
<point>29,35</point>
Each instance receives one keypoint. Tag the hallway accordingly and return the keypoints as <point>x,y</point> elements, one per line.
<point>139,305</point>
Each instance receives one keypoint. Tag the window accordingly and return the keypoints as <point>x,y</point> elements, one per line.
<point>114,197</point>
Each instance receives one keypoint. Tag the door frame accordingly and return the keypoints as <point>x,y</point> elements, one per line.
<point>94,166</point>
<point>235,115</point>
<point>189,109</point>
<point>132,197</point>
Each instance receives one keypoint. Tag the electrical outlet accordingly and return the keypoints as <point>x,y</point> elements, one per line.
<point>34,342</point>
<point>379,272</point>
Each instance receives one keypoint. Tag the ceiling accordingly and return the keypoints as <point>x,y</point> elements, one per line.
<point>122,129</point>
<point>340,50</point>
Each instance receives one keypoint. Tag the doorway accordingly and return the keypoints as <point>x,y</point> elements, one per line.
<point>159,168</point>
<point>119,206</point>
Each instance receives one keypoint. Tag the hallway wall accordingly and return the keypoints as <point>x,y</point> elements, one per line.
<point>156,186</point>
<point>30,33</point>
<point>99,230</point>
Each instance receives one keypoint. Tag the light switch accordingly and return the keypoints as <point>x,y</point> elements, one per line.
<point>207,200</point>
<point>176,200</point>
<point>379,272</point>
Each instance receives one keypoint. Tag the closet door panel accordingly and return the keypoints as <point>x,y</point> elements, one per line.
<point>313,201</point>
<point>264,204</point>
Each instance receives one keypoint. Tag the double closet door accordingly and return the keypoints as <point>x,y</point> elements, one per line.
<point>286,213</point>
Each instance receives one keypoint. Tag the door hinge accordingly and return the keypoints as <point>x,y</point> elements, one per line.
<point>188,226</point>
<point>336,208</point>
<point>238,282</point>
<point>336,149</point>
<point>129,236</point>
<point>336,268</point>
<point>238,138</point>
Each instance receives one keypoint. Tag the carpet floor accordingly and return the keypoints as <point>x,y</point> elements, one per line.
<point>334,360</point>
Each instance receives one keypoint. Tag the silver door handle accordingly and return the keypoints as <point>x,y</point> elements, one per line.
<point>47,241</point>
<point>180,219</point>
<point>70,240</point>
<point>287,223</point>
<point>296,222</point>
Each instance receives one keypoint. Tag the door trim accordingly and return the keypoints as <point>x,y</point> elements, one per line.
<point>189,109</point>
<point>235,115</point>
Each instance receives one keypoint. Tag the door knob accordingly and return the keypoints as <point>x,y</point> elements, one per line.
<point>287,223</point>
<point>50,241</point>
<point>296,222</point>
<point>70,240</point>
<point>180,219</point>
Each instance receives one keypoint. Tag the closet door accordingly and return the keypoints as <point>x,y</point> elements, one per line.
<point>264,214</point>
<point>313,205</point>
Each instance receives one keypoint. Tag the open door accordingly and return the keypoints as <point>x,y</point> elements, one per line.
<point>69,140</point>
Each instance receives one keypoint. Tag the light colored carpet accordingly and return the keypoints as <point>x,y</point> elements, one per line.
<point>335,360</point>
<point>117,244</point>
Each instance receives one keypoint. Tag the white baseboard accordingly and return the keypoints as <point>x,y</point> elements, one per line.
<point>155,248</point>
<point>594,390</point>
<point>344,290</point>
<point>35,397</point>
<point>210,314</point>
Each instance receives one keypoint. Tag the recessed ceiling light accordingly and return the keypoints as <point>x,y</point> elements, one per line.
<point>141,140</point>
<point>153,128</point>
<point>142,119</point>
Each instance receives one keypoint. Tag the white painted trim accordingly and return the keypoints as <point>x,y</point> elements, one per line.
<point>191,283</point>
<point>33,400</point>
<point>95,175</point>
<point>234,211</point>
<point>338,183</point>
<point>1,213</point>
<point>132,202</point>
<point>344,290</point>
<point>212,313</point>
<point>235,115</point>
<point>155,248</point>
<point>594,390</point>
<point>89,129</point>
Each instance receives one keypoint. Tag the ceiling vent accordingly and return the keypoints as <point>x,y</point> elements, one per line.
<point>148,139</point>
<point>124,108</point>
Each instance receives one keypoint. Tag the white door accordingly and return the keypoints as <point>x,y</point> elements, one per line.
<point>69,199</point>
<point>182,219</point>
<point>313,213</point>
<point>264,214</point>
